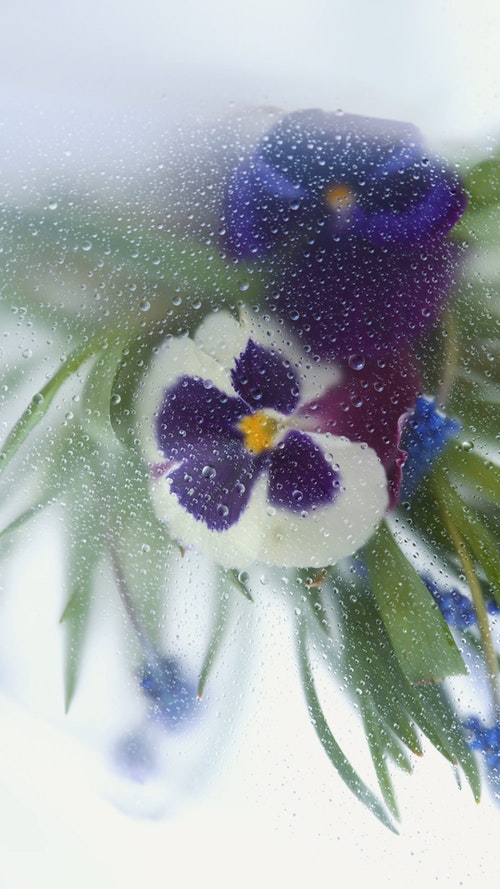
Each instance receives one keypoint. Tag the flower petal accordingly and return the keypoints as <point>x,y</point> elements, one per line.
<point>322,536</point>
<point>256,195</point>
<point>363,299</point>
<point>300,477</point>
<point>215,489</point>
<point>426,435</point>
<point>264,379</point>
<point>371,405</point>
<point>176,358</point>
<point>276,536</point>
<point>196,417</point>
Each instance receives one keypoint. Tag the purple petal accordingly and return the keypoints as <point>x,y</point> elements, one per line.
<point>437,210</point>
<point>257,196</point>
<point>300,476</point>
<point>195,416</point>
<point>362,299</point>
<point>215,488</point>
<point>370,406</point>
<point>263,379</point>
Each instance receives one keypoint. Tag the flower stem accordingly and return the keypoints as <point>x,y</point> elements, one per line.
<point>450,364</point>
<point>482,615</point>
<point>148,649</point>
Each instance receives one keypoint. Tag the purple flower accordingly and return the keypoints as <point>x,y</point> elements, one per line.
<point>349,218</point>
<point>240,468</point>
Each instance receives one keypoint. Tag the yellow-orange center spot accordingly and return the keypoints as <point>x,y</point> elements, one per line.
<point>339,197</point>
<point>259,431</point>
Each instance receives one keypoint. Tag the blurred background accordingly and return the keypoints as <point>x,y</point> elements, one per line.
<point>85,86</point>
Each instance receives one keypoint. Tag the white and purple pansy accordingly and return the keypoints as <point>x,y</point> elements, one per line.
<point>238,467</point>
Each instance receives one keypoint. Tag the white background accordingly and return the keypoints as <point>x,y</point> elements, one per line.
<point>277,816</point>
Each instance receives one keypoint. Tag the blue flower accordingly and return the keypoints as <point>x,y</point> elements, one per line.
<point>172,697</point>
<point>134,757</point>
<point>486,740</point>
<point>239,467</point>
<point>426,435</point>
<point>457,609</point>
<point>350,218</point>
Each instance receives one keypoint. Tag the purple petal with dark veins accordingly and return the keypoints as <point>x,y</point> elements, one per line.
<point>300,476</point>
<point>263,379</point>
<point>215,489</point>
<point>195,416</point>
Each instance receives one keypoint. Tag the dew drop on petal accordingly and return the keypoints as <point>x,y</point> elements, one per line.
<point>356,362</point>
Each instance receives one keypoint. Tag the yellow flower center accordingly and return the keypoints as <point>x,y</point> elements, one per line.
<point>339,197</point>
<point>259,431</point>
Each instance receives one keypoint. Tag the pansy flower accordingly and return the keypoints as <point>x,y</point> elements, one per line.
<point>239,468</point>
<point>350,218</point>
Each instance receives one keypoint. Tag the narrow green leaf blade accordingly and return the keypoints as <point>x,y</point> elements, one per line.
<point>219,630</point>
<point>421,639</point>
<point>327,739</point>
<point>378,750</point>
<point>39,406</point>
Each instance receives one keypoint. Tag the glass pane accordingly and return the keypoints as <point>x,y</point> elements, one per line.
<point>250,470</point>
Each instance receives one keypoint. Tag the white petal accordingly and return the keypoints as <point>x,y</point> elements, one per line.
<point>329,533</point>
<point>278,537</point>
<point>224,337</point>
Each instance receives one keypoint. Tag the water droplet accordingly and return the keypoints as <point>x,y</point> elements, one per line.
<point>223,510</point>
<point>467,445</point>
<point>115,398</point>
<point>86,246</point>
<point>53,205</point>
<point>145,305</point>
<point>243,285</point>
<point>38,398</point>
<point>356,362</point>
<point>208,472</point>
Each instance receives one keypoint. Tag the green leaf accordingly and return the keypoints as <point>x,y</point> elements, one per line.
<point>472,469</point>
<point>41,402</point>
<point>421,639</point>
<point>327,739</point>
<point>482,184</point>
<point>219,631</point>
<point>370,663</point>
<point>481,541</point>
<point>238,580</point>
<point>441,711</point>
<point>83,552</point>
<point>377,743</point>
<point>31,512</point>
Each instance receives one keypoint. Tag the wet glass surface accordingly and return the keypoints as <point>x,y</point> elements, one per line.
<point>155,187</point>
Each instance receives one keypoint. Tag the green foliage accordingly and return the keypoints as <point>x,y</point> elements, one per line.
<point>375,622</point>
